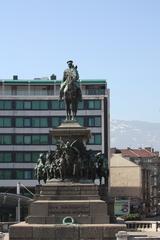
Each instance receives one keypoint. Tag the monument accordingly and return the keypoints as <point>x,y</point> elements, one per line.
<point>67,206</point>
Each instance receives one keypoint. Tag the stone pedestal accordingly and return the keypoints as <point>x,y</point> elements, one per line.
<point>67,210</point>
<point>59,200</point>
<point>71,131</point>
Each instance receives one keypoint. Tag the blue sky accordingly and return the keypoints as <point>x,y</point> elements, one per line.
<point>117,40</point>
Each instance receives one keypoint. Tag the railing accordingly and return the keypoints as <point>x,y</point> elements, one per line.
<point>143,226</point>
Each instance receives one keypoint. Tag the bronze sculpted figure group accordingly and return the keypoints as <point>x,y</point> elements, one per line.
<point>67,162</point>
<point>70,90</point>
<point>40,169</point>
<point>71,160</point>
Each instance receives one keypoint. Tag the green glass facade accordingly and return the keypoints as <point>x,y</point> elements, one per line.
<point>30,108</point>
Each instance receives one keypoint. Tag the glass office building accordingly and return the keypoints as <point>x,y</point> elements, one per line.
<point>29,109</point>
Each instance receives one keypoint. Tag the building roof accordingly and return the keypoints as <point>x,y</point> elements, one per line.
<point>48,81</point>
<point>138,153</point>
<point>10,199</point>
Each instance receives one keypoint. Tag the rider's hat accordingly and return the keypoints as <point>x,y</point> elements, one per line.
<point>70,61</point>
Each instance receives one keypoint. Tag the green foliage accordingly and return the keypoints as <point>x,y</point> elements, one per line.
<point>132,216</point>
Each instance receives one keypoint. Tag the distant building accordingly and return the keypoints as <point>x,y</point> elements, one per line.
<point>129,181</point>
<point>149,181</point>
<point>150,160</point>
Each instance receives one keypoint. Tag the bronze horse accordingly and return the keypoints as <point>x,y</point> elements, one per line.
<point>70,90</point>
<point>71,98</point>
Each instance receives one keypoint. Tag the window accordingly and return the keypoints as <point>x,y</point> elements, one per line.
<point>91,121</point>
<point>56,121</point>
<point>43,122</point>
<point>5,139</point>
<point>26,157</point>
<point>94,104</point>
<point>5,104</point>
<point>35,139</point>
<point>23,174</point>
<point>54,141</point>
<point>34,122</point>
<point>16,174</point>
<point>23,139</point>
<point>5,157</point>
<point>97,104</point>
<point>81,105</point>
<point>57,105</point>
<point>96,139</point>
<point>39,90</point>
<point>90,104</point>
<point>21,90</point>
<point>35,156</point>
<point>8,90</point>
<point>5,174</point>
<point>95,90</point>
<point>20,105</point>
<point>27,105</point>
<point>32,139</point>
<point>40,122</point>
<point>97,121</point>
<point>40,105</point>
<point>44,139</point>
<point>5,122</point>
<point>40,139</point>
<point>94,121</point>
<point>35,105</point>
<point>80,120</point>
<point>23,122</point>
<point>19,174</point>
<point>27,122</point>
<point>19,157</point>
<point>27,139</point>
<point>19,122</point>
<point>19,139</point>
<point>28,174</point>
<point>91,140</point>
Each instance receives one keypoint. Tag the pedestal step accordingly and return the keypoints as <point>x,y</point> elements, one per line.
<point>67,191</point>
<point>66,197</point>
<point>24,231</point>
<point>85,211</point>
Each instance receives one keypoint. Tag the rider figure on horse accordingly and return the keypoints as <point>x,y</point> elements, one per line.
<point>70,74</point>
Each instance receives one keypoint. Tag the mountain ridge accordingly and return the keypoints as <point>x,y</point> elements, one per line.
<point>134,134</point>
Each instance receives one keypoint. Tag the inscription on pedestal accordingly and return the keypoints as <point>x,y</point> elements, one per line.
<point>68,209</point>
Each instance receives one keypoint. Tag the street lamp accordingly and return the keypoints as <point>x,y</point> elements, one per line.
<point>18,212</point>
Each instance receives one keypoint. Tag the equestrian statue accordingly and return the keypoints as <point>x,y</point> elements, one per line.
<point>70,90</point>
